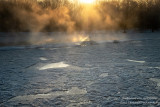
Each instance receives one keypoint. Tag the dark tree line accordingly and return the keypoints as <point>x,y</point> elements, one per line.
<point>63,15</point>
<point>135,14</point>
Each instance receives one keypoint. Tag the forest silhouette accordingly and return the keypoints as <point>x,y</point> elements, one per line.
<point>63,15</point>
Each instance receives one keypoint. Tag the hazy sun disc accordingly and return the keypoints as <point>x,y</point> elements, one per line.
<point>87,1</point>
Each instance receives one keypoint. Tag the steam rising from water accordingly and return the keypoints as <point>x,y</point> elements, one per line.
<point>37,19</point>
<point>40,38</point>
<point>59,37</point>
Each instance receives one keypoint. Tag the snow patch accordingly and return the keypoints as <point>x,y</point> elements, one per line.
<point>135,61</point>
<point>156,80</point>
<point>76,90</point>
<point>75,104</point>
<point>43,59</point>
<point>29,98</point>
<point>54,65</point>
<point>155,67</point>
<point>104,75</point>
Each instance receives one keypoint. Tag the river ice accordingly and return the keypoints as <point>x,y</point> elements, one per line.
<point>106,74</point>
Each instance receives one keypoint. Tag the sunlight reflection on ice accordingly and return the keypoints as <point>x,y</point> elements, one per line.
<point>54,65</point>
<point>135,61</point>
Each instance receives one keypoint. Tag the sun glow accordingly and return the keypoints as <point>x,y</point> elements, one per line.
<point>87,1</point>
<point>80,38</point>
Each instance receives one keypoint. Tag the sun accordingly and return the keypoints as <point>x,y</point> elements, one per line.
<point>87,1</point>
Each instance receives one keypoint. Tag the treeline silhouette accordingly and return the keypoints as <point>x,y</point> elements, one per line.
<point>63,15</point>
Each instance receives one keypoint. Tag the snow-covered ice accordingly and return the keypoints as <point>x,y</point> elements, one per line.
<point>135,61</point>
<point>65,74</point>
<point>156,80</point>
<point>104,75</point>
<point>43,59</point>
<point>54,65</point>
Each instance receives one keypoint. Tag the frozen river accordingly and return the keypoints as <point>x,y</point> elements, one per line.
<point>108,74</point>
